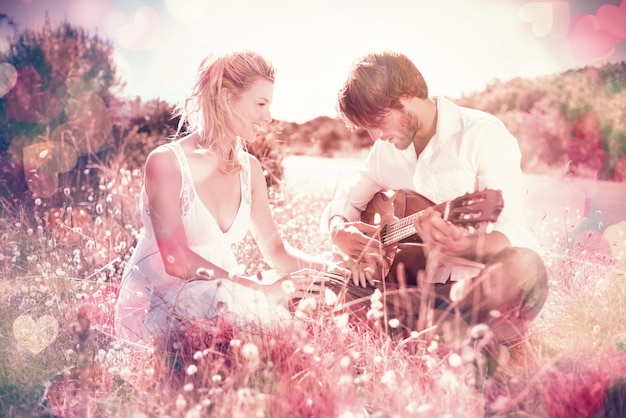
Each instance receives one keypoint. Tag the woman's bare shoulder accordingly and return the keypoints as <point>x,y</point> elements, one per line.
<point>161,161</point>
<point>256,168</point>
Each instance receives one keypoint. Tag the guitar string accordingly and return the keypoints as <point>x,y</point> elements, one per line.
<point>404,227</point>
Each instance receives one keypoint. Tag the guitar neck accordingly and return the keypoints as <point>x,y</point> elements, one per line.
<point>404,228</point>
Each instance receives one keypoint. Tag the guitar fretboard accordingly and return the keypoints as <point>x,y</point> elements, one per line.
<point>404,228</point>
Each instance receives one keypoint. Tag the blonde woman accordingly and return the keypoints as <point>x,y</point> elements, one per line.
<point>202,193</point>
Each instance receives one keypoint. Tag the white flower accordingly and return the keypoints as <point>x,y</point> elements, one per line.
<point>192,369</point>
<point>455,360</point>
<point>250,352</point>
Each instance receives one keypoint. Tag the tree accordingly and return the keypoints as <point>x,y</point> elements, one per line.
<point>56,118</point>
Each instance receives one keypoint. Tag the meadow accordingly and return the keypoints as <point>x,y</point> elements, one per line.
<point>59,357</point>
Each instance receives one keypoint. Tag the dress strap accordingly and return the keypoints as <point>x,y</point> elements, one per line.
<point>186,190</point>
<point>246,183</point>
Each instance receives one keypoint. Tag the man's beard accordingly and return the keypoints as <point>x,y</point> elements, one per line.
<point>409,132</point>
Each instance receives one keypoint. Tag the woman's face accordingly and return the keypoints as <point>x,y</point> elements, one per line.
<point>254,107</point>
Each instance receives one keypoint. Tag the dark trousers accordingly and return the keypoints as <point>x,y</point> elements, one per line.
<point>502,299</point>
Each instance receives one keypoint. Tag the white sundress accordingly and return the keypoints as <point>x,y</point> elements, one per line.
<point>152,303</point>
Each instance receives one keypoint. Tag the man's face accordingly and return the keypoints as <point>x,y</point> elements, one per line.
<point>403,127</point>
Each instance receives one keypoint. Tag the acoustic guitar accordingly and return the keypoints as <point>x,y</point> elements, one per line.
<point>396,212</point>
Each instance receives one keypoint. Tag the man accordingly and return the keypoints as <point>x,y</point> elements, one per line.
<point>428,145</point>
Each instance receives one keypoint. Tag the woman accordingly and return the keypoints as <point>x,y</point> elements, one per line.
<point>203,192</point>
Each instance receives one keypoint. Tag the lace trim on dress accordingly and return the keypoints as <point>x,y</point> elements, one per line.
<point>186,190</point>
<point>244,160</point>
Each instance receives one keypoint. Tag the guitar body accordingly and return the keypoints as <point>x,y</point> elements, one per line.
<point>386,208</point>
<point>395,212</point>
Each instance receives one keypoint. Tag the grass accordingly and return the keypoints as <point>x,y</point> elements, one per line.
<point>66,264</point>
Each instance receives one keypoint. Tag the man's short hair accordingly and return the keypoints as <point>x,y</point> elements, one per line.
<point>376,84</point>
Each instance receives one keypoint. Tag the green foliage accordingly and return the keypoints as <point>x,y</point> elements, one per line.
<point>57,120</point>
<point>323,136</point>
<point>268,149</point>
<point>62,129</point>
<point>543,113</point>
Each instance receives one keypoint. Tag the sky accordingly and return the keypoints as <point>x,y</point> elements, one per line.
<point>460,46</point>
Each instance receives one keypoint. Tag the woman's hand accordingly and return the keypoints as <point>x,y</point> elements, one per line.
<point>300,285</point>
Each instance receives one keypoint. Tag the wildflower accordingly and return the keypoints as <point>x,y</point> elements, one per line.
<point>458,290</point>
<point>181,403</point>
<point>429,361</point>
<point>125,373</point>
<point>188,387</point>
<point>330,297</point>
<point>345,362</point>
<point>288,287</point>
<point>341,321</point>
<point>192,369</point>
<point>494,313</point>
<point>455,360</point>
<point>389,379</point>
<point>195,412</point>
<point>394,322</point>
<point>480,331</point>
<point>305,305</point>
<point>250,352</point>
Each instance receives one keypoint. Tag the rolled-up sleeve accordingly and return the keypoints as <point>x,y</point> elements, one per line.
<point>351,199</point>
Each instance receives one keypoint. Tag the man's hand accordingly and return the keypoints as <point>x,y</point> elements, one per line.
<point>356,239</point>
<point>365,272</point>
<point>359,241</point>
<point>436,233</point>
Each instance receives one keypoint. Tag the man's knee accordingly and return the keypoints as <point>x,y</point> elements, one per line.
<point>525,269</point>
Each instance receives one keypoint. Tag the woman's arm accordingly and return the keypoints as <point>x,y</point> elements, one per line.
<point>163,184</point>
<point>277,254</point>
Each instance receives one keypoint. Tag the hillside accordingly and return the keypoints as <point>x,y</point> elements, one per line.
<point>573,122</point>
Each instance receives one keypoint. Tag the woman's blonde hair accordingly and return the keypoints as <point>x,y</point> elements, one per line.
<point>208,110</point>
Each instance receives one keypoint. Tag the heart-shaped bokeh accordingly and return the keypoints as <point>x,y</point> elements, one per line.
<point>89,126</point>
<point>539,15</point>
<point>589,40</point>
<point>546,18</point>
<point>33,335</point>
<point>43,161</point>
<point>143,33</point>
<point>613,19</point>
<point>26,102</point>
<point>615,235</point>
<point>8,78</point>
